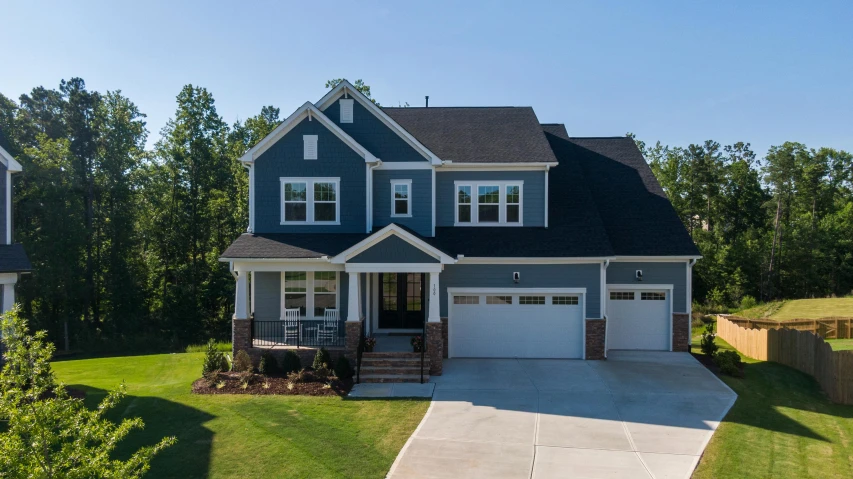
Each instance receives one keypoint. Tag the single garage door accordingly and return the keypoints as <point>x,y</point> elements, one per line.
<point>638,319</point>
<point>529,325</point>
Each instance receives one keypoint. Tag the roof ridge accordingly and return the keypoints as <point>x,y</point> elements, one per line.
<point>447,107</point>
<point>599,137</point>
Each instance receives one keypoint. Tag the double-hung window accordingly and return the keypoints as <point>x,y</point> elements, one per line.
<point>310,201</point>
<point>489,203</point>
<point>311,292</point>
<point>401,198</point>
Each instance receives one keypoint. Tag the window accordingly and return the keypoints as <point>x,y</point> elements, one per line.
<point>310,201</point>
<point>463,202</point>
<point>531,300</point>
<point>489,204</point>
<point>498,299</point>
<point>466,300</point>
<point>346,110</point>
<point>622,295</point>
<point>401,197</point>
<point>652,296</point>
<point>310,146</point>
<point>413,292</point>
<point>311,291</point>
<point>564,300</point>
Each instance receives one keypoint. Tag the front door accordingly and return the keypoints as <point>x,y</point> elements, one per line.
<point>402,300</point>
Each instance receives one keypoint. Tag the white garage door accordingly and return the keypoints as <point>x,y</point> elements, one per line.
<point>528,325</point>
<point>638,319</point>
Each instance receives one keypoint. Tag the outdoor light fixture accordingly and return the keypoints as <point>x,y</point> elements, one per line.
<point>516,277</point>
<point>639,275</point>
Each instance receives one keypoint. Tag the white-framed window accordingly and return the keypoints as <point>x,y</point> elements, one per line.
<point>652,296</point>
<point>466,300</point>
<point>310,146</point>
<point>346,110</point>
<point>401,198</point>
<point>564,300</point>
<point>310,201</point>
<point>311,292</point>
<point>502,300</point>
<point>531,300</point>
<point>622,295</point>
<point>498,203</point>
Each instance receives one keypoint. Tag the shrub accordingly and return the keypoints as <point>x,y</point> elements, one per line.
<point>242,361</point>
<point>246,378</point>
<point>708,344</point>
<point>301,376</point>
<point>268,365</point>
<point>214,359</point>
<point>211,378</point>
<point>322,360</point>
<point>748,302</point>
<point>290,363</point>
<point>729,362</point>
<point>343,369</point>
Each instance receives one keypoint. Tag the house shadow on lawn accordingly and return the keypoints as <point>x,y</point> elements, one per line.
<point>188,457</point>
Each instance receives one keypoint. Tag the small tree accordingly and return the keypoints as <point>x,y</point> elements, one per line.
<point>49,434</point>
<point>214,360</point>
<point>242,361</point>
<point>343,369</point>
<point>322,360</point>
<point>708,344</point>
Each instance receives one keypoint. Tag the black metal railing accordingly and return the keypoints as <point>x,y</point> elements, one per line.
<point>301,332</point>
<point>359,352</point>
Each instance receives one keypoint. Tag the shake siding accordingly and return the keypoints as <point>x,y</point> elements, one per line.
<point>654,273</point>
<point>335,160</point>
<point>421,199</point>
<point>371,133</point>
<point>533,195</point>
<point>393,250</point>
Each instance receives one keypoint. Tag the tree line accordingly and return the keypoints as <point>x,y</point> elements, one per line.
<point>775,228</point>
<point>125,239</point>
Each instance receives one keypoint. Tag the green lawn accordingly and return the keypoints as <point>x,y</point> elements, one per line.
<point>801,309</point>
<point>781,426</point>
<point>840,344</point>
<point>245,436</point>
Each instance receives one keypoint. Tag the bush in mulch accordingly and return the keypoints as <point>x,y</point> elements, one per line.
<point>726,364</point>
<point>299,383</point>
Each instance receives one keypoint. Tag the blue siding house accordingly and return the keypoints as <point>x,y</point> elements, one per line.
<point>481,229</point>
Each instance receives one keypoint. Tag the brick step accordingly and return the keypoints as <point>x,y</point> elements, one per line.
<point>392,370</point>
<point>393,355</point>
<point>394,363</point>
<point>393,378</point>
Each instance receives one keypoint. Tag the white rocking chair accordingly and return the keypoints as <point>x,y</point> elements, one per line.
<point>328,329</point>
<point>291,326</point>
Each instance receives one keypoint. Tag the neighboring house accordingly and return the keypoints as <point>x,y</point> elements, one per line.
<point>497,235</point>
<point>13,259</point>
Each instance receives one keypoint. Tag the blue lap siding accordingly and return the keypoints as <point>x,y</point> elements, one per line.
<point>533,193</point>
<point>654,273</point>
<point>421,199</point>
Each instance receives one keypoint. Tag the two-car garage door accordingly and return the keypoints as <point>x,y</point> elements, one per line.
<point>513,324</point>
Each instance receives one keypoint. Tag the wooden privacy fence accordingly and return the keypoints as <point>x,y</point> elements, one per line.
<point>827,328</point>
<point>801,350</point>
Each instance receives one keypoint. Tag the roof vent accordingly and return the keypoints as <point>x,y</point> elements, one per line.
<point>427,101</point>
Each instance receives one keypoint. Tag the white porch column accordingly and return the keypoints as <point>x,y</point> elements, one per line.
<point>434,310</point>
<point>241,299</point>
<point>354,298</point>
<point>8,281</point>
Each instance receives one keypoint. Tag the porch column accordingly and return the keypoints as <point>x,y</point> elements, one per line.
<point>241,299</point>
<point>434,328</point>
<point>241,327</point>
<point>434,314</point>
<point>8,281</point>
<point>353,323</point>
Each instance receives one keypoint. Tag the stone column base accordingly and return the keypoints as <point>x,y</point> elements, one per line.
<point>444,338</point>
<point>435,348</point>
<point>596,329</point>
<point>353,332</point>
<point>241,336</point>
<point>681,332</point>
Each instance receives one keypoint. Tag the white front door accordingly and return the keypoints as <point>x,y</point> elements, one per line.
<point>504,325</point>
<point>639,319</point>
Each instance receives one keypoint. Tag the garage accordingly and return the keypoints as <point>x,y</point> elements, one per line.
<point>639,318</point>
<point>516,323</point>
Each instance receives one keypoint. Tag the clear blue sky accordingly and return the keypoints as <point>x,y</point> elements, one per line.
<point>679,72</point>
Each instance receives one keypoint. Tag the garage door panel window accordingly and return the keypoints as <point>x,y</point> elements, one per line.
<point>531,300</point>
<point>466,300</point>
<point>652,296</point>
<point>622,295</point>
<point>564,300</point>
<point>502,300</point>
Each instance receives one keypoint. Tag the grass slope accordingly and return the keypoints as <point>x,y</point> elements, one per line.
<point>781,426</point>
<point>801,309</point>
<point>245,436</point>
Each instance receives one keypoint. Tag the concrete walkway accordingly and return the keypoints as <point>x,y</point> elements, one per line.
<point>636,415</point>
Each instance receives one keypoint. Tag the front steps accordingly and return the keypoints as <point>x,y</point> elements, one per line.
<point>396,367</point>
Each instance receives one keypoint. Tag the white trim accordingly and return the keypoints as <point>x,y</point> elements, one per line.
<point>346,87</point>
<point>406,165</point>
<point>450,166</point>
<point>547,170</point>
<point>652,259</point>
<point>393,267</point>
<point>251,167</point>
<point>349,103</point>
<point>310,149</point>
<point>689,287</point>
<point>309,200</point>
<point>476,260</point>
<point>644,287</point>
<point>433,202</point>
<point>8,278</point>
<point>408,184</point>
<point>502,205</point>
<point>640,286</point>
<point>8,207</point>
<point>278,266</point>
<point>386,232</point>
<point>305,111</point>
<point>9,161</point>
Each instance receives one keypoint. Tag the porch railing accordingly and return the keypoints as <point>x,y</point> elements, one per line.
<point>299,332</point>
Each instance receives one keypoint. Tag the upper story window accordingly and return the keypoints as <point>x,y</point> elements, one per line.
<point>310,144</point>
<point>310,201</point>
<point>489,203</point>
<point>401,198</point>
<point>346,110</point>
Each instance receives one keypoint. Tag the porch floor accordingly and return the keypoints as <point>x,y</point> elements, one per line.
<point>386,343</point>
<point>263,344</point>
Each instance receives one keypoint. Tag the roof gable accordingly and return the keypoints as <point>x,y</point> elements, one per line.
<point>393,249</point>
<point>393,230</point>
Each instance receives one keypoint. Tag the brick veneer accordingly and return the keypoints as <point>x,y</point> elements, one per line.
<point>353,335</point>
<point>444,337</point>
<point>435,347</point>
<point>241,335</point>
<point>595,333</point>
<point>681,332</point>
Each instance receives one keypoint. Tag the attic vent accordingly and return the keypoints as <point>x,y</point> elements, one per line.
<point>346,111</point>
<point>310,142</point>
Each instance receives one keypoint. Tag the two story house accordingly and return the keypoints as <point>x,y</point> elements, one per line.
<point>493,234</point>
<point>13,258</point>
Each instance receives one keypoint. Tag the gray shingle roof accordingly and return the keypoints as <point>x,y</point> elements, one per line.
<point>14,259</point>
<point>290,245</point>
<point>477,134</point>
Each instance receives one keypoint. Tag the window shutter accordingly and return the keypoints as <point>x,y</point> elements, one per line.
<point>346,111</point>
<point>310,142</point>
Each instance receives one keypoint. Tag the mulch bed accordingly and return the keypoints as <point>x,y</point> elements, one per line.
<point>709,363</point>
<point>229,383</point>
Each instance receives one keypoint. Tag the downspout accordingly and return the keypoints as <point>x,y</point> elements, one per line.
<point>604,313</point>
<point>547,200</point>
<point>370,194</point>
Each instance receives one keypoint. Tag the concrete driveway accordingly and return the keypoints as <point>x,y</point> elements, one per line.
<point>636,415</point>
